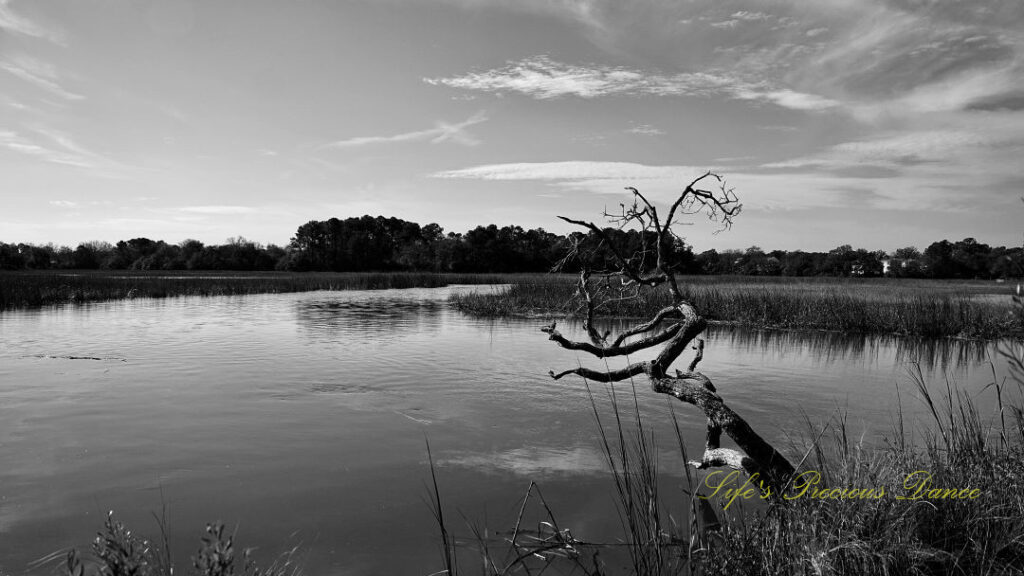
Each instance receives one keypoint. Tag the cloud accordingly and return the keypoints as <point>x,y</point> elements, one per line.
<point>896,150</point>
<point>886,60</point>
<point>542,78</point>
<point>878,59</point>
<point>788,99</point>
<point>442,132</point>
<point>57,147</point>
<point>39,74</point>
<point>898,172</point>
<point>646,130</point>
<point>17,24</point>
<point>663,183</point>
<point>965,164</point>
<point>212,209</point>
<point>1006,102</point>
<point>576,170</point>
<point>750,16</point>
<point>18,143</point>
<point>63,203</point>
<point>725,24</point>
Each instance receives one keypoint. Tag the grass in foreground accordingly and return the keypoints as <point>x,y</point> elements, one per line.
<point>117,551</point>
<point>924,535</point>
<point>961,309</point>
<point>36,289</point>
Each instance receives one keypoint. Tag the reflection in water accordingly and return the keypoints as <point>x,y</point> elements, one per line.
<point>533,462</point>
<point>838,347</point>
<point>828,347</point>
<point>366,318</point>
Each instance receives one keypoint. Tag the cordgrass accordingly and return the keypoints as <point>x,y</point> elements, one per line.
<point>929,308</point>
<point>921,533</point>
<point>38,289</point>
<point>888,535</point>
<point>118,551</point>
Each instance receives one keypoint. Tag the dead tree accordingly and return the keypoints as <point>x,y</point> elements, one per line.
<point>675,328</point>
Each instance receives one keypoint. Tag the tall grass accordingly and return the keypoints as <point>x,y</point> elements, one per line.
<point>118,551</point>
<point>802,535</point>
<point>914,308</point>
<point>36,289</point>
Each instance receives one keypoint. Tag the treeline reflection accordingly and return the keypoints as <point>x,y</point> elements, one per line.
<point>833,347</point>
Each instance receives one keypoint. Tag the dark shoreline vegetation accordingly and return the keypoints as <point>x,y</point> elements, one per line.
<point>34,289</point>
<point>924,308</point>
<point>912,307</point>
<point>369,244</point>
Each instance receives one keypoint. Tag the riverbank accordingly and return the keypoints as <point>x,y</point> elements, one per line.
<point>37,289</point>
<point>925,308</point>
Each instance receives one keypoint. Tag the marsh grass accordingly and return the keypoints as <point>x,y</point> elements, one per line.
<point>803,535</point>
<point>961,309</point>
<point>118,551</point>
<point>37,289</point>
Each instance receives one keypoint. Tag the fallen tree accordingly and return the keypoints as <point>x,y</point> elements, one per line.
<point>675,328</point>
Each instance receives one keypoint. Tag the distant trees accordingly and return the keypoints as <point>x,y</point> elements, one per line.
<point>382,244</point>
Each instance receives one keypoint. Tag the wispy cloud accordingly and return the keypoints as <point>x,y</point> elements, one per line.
<point>879,59</point>
<point>39,74</point>
<point>542,78</point>
<point>441,132</point>
<point>646,130</point>
<point>908,61</point>
<point>899,150</point>
<point>749,16</point>
<point>47,144</point>
<point>822,181</point>
<point>212,209</point>
<point>732,23</point>
<point>23,145</point>
<point>576,170</point>
<point>14,23</point>
<point>790,191</point>
<point>965,164</point>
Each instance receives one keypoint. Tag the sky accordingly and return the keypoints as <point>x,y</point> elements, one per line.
<point>875,123</point>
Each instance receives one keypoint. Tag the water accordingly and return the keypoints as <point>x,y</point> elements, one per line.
<point>302,419</point>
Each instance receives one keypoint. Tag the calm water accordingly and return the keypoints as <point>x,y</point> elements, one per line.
<point>302,418</point>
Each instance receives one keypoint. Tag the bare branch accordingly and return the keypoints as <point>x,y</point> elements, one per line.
<point>626,267</point>
<point>724,457</point>
<point>611,351</point>
<point>692,326</point>
<point>652,323</point>
<point>588,322</point>
<point>714,437</point>
<point>697,377</point>
<point>598,376</point>
<point>699,347</point>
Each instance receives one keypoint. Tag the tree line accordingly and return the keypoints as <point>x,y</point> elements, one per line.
<point>392,244</point>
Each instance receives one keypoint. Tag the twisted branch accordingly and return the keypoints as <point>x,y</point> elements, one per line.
<point>755,456</point>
